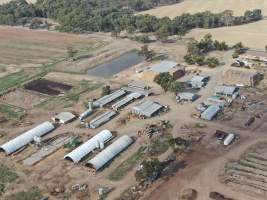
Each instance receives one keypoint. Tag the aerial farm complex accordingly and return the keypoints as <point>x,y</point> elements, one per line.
<point>133,102</point>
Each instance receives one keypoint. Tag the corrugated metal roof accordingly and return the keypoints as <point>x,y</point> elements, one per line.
<point>226,90</point>
<point>110,152</point>
<point>22,140</point>
<point>199,78</point>
<point>164,66</point>
<point>147,108</point>
<point>109,98</point>
<point>101,119</point>
<point>186,96</point>
<point>64,117</point>
<point>138,90</point>
<point>210,112</point>
<point>126,100</point>
<point>77,154</point>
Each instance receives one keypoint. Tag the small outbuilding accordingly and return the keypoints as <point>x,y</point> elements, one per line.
<point>210,113</point>
<point>186,96</point>
<point>64,117</point>
<point>199,81</point>
<point>229,91</point>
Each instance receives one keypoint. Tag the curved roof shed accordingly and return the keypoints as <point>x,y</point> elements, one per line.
<point>110,152</point>
<point>77,154</point>
<point>24,139</point>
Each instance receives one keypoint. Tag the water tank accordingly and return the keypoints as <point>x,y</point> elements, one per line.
<point>229,139</point>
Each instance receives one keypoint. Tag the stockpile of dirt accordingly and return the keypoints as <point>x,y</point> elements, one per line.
<point>189,194</point>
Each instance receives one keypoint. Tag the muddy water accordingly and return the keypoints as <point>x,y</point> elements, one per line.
<point>116,65</point>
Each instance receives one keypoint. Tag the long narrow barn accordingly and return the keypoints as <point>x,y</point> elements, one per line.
<point>109,98</point>
<point>24,139</point>
<point>101,138</point>
<point>110,152</point>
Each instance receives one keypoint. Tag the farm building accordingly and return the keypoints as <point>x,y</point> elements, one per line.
<point>186,96</point>
<point>109,98</point>
<point>138,85</point>
<point>88,112</point>
<point>129,98</point>
<point>146,108</point>
<point>64,117</point>
<point>199,81</point>
<point>109,153</point>
<point>215,101</point>
<point>254,55</point>
<point>241,77</point>
<point>101,119</point>
<point>210,113</point>
<point>164,66</point>
<point>229,91</point>
<point>26,138</point>
<point>95,142</point>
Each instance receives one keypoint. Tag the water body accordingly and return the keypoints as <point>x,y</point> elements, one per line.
<point>116,65</point>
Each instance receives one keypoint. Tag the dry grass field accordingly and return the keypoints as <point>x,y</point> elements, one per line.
<point>24,47</point>
<point>6,1</point>
<point>194,6</point>
<point>251,35</point>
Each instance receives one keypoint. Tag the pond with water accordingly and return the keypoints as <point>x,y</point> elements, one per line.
<point>116,65</point>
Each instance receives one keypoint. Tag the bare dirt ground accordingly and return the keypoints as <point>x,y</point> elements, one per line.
<point>194,6</point>
<point>22,99</point>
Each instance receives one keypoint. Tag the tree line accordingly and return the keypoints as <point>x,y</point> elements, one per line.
<point>115,16</point>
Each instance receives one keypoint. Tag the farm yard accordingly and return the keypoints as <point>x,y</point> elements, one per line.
<point>103,116</point>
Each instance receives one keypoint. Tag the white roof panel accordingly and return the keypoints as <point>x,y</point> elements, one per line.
<point>77,154</point>
<point>24,139</point>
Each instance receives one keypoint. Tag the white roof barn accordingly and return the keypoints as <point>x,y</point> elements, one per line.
<point>77,154</point>
<point>24,139</point>
<point>110,152</point>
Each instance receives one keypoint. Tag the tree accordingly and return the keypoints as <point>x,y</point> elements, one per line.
<point>265,47</point>
<point>149,170</point>
<point>71,52</point>
<point>227,17</point>
<point>149,54</point>
<point>106,90</point>
<point>164,80</point>
<point>176,86</point>
<point>206,44</point>
<point>212,62</point>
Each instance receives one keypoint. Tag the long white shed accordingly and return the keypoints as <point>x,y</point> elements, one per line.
<point>95,142</point>
<point>110,152</point>
<point>24,139</point>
